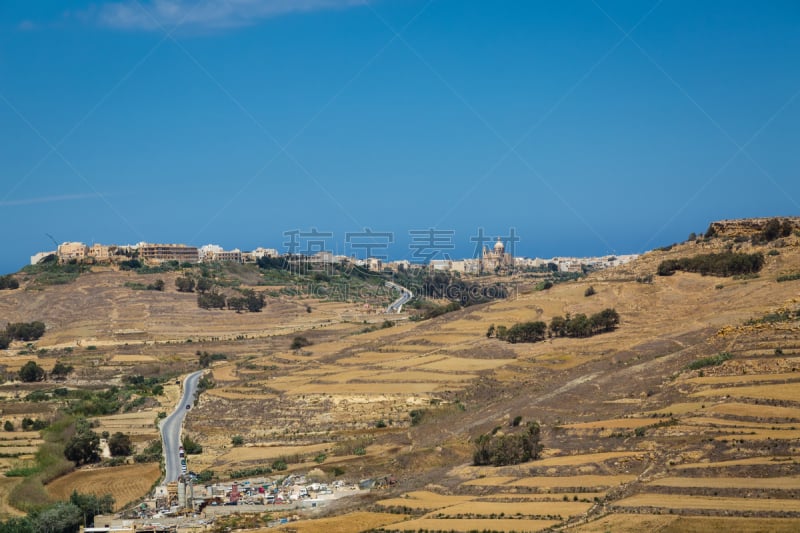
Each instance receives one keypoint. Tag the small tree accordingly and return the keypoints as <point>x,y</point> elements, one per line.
<point>490,331</point>
<point>82,447</point>
<point>237,440</point>
<point>8,426</point>
<point>31,372</point>
<point>589,291</point>
<point>92,505</point>
<point>184,284</point>
<point>204,284</point>
<point>300,342</point>
<point>120,445</point>
<point>60,370</point>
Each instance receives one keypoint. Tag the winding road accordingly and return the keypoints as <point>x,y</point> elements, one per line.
<point>405,295</point>
<point>171,428</point>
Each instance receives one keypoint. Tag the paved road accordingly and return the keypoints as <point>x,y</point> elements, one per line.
<point>405,295</point>
<point>171,428</point>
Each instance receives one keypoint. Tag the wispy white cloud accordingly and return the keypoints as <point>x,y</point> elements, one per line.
<point>27,25</point>
<point>50,199</point>
<point>152,15</point>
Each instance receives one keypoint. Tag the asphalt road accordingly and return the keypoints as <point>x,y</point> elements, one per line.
<point>172,425</point>
<point>405,296</point>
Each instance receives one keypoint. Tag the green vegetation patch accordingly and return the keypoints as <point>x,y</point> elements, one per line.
<point>723,264</point>
<point>714,360</point>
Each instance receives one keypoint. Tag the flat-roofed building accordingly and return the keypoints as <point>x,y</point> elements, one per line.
<point>100,252</point>
<point>158,253</point>
<point>69,251</point>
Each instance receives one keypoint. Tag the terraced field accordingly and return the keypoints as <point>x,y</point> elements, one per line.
<point>635,422</point>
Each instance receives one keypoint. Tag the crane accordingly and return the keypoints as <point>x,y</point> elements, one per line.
<point>52,239</point>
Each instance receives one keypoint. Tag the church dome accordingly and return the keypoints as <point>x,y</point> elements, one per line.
<point>499,246</point>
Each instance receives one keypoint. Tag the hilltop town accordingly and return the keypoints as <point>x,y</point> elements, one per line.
<point>494,259</point>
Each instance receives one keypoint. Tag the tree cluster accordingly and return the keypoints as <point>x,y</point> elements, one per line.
<point>120,445</point>
<point>211,300</point>
<point>721,264</point>
<point>184,284</point>
<point>8,282</point>
<point>31,372</point>
<point>500,449</point>
<point>579,325</point>
<point>773,230</point>
<point>249,301</point>
<point>61,370</point>
<point>25,331</point>
<point>205,359</point>
<point>190,446</point>
<point>300,342</point>
<point>82,447</point>
<point>62,517</point>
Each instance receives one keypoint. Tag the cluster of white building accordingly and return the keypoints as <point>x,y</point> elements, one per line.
<point>151,253</point>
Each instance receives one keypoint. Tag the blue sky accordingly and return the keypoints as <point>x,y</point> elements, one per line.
<point>589,127</point>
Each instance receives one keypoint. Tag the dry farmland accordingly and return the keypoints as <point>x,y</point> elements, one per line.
<point>642,420</point>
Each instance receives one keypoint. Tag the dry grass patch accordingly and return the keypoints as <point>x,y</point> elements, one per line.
<point>588,458</point>
<point>141,423</point>
<point>587,481</point>
<point>680,408</point>
<point>133,359</point>
<point>627,523</point>
<point>460,364</point>
<point>6,485</point>
<point>368,388</point>
<point>473,524</point>
<point>777,391</point>
<point>760,434</point>
<point>540,497</point>
<point>616,423</point>
<point>423,499</point>
<point>492,481</point>
<point>531,508</point>
<point>346,523</point>
<point>768,460</point>
<point>726,422</point>
<point>746,378</point>
<point>755,411</point>
<point>234,394</point>
<point>255,453</point>
<point>694,502</point>
<point>125,483</point>
<point>780,483</point>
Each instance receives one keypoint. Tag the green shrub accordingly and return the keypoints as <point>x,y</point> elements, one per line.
<point>789,277</point>
<point>722,264</point>
<point>713,360</point>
